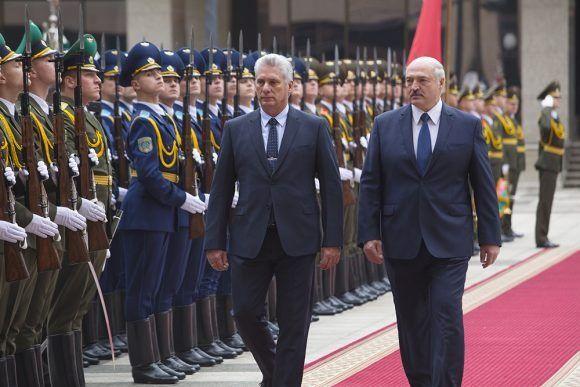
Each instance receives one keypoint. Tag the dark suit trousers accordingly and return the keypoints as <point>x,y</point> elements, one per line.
<point>428,295</point>
<point>282,364</point>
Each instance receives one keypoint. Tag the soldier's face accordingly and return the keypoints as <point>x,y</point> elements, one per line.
<point>170,91</point>
<point>148,82</point>
<point>452,100</point>
<point>348,88</point>
<point>557,99</point>
<point>43,70</point>
<point>216,88</point>
<point>108,88</point>
<point>500,100</point>
<point>327,91</point>
<point>91,84</point>
<point>311,88</point>
<point>479,105</point>
<point>232,86</point>
<point>297,91</point>
<point>369,89</point>
<point>247,88</point>
<point>272,89</point>
<point>511,106</point>
<point>423,87</point>
<point>11,75</point>
<point>128,93</point>
<point>466,105</point>
<point>194,88</point>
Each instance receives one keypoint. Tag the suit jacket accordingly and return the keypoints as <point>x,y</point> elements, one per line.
<point>401,207</point>
<point>306,152</point>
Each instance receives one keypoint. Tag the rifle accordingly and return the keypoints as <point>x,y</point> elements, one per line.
<point>206,125</point>
<point>122,167</point>
<point>403,76</point>
<point>347,191</point>
<point>363,113</point>
<point>357,117</point>
<point>388,79</point>
<point>67,196</point>
<point>376,70</point>
<point>305,81</point>
<point>259,44</point>
<point>97,233</point>
<point>196,224</point>
<point>14,264</point>
<point>239,72</point>
<point>227,77</point>
<point>393,80</point>
<point>36,198</point>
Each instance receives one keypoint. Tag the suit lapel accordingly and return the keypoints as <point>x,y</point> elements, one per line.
<point>445,124</point>
<point>406,124</point>
<point>256,138</point>
<point>288,137</point>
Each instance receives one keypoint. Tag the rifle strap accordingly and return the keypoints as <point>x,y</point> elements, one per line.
<point>97,144</point>
<point>173,153</point>
<point>14,146</point>
<point>46,144</point>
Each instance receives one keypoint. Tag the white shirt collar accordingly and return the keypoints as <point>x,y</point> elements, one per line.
<point>311,107</point>
<point>327,104</point>
<point>214,109</point>
<point>246,109</point>
<point>168,109</point>
<point>126,105</point>
<point>281,117</point>
<point>155,107</point>
<point>11,106</point>
<point>348,104</point>
<point>296,106</point>
<point>41,102</point>
<point>434,113</point>
<point>475,113</point>
<point>107,103</point>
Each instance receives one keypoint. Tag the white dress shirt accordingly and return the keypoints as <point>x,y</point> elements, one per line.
<point>281,118</point>
<point>11,106</point>
<point>434,119</point>
<point>156,108</point>
<point>246,109</point>
<point>41,102</point>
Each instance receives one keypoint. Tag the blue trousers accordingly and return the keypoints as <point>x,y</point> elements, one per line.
<point>174,272</point>
<point>113,277</point>
<point>188,293</point>
<point>145,255</point>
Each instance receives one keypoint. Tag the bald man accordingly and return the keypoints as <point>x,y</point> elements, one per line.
<point>415,214</point>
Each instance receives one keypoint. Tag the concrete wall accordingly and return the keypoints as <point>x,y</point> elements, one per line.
<point>545,55</point>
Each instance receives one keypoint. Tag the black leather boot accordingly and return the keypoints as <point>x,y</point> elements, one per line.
<point>144,367</point>
<point>215,327</point>
<point>185,339</point>
<point>206,334</point>
<point>26,368</point>
<point>62,360</point>
<point>350,298</point>
<point>228,331</point>
<point>164,326</point>
<point>91,346</point>
<point>78,336</point>
<point>120,316</point>
<point>157,353</point>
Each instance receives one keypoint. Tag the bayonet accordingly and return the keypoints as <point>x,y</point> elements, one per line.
<point>274,45</point>
<point>229,52</point>
<point>292,50</point>
<point>241,49</point>
<point>259,44</point>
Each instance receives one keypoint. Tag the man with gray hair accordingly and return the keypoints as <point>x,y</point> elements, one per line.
<point>415,211</point>
<point>275,153</point>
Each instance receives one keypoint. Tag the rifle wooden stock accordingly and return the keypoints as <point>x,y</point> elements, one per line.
<point>207,154</point>
<point>122,167</point>
<point>76,245</point>
<point>97,233</point>
<point>36,200</point>
<point>348,197</point>
<point>358,121</point>
<point>14,264</point>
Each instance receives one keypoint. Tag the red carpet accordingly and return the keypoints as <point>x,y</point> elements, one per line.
<point>520,338</point>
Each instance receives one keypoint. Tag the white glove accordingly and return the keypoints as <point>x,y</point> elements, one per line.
<point>344,143</point>
<point>215,158</point>
<point>352,145</point>
<point>23,174</point>
<point>54,167</point>
<point>42,227</point>
<point>505,168</point>
<point>193,204</point>
<point>206,201</point>
<point>70,219</point>
<point>109,155</point>
<point>235,199</point>
<point>113,200</point>
<point>42,170</point>
<point>92,211</point>
<point>548,101</point>
<point>11,232</point>
<point>122,194</point>
<point>9,175</point>
<point>93,158</point>
<point>108,254</point>
<point>317,184</point>
<point>357,174</point>
<point>554,114</point>
<point>196,156</point>
<point>73,165</point>
<point>364,142</point>
<point>345,174</point>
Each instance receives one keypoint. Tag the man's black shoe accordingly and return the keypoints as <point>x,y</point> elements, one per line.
<point>547,245</point>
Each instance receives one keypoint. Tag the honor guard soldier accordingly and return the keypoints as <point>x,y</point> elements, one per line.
<point>297,87</point>
<point>16,293</point>
<point>215,89</point>
<point>76,287</point>
<point>153,193</point>
<point>247,86</point>
<point>492,133</point>
<point>511,156</point>
<point>308,73</point>
<point>466,100</point>
<point>549,164</point>
<point>453,92</point>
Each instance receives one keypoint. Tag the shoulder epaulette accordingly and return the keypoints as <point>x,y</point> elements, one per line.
<point>144,114</point>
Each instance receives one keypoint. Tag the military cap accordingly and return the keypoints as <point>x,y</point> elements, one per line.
<point>198,61</point>
<point>453,85</point>
<point>6,54</point>
<point>143,56</point>
<point>513,93</point>
<point>326,73</point>
<point>348,70</point>
<point>219,62</point>
<point>171,64</point>
<point>38,47</point>
<point>501,90</point>
<point>478,92</point>
<point>490,94</point>
<point>467,94</point>
<point>249,63</point>
<point>300,68</point>
<point>71,57</point>
<point>552,87</point>
<point>234,60</point>
<point>111,67</point>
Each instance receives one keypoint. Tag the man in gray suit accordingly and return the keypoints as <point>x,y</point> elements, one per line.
<point>275,153</point>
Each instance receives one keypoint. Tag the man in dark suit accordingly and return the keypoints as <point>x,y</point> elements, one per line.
<point>275,153</point>
<point>415,210</point>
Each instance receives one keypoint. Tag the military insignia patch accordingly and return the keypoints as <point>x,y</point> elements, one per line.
<point>145,144</point>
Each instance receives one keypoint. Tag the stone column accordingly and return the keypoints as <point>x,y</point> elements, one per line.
<point>152,20</point>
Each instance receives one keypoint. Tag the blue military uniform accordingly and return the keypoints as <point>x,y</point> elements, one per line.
<point>149,218</point>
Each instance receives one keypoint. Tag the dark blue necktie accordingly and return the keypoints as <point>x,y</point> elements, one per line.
<point>424,144</point>
<point>272,145</point>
